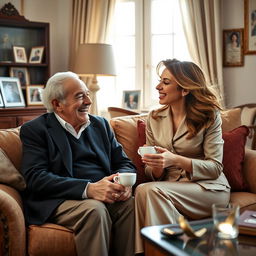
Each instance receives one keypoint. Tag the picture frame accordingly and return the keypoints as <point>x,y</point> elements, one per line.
<point>233,47</point>
<point>131,99</point>
<point>249,26</point>
<point>36,54</point>
<point>20,55</point>
<point>22,74</point>
<point>1,101</point>
<point>11,92</point>
<point>34,95</point>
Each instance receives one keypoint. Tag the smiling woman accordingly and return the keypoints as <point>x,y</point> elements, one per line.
<point>186,133</point>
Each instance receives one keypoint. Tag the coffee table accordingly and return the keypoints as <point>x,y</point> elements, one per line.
<point>157,244</point>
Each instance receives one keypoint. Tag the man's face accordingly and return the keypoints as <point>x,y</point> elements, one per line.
<point>74,109</point>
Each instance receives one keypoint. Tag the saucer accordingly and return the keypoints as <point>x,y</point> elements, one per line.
<point>171,232</point>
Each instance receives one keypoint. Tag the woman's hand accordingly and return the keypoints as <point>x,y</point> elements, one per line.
<point>161,160</point>
<point>164,158</point>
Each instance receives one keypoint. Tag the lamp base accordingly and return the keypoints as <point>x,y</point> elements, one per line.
<point>93,87</point>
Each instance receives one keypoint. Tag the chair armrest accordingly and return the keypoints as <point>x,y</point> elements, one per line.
<point>12,224</point>
<point>249,169</point>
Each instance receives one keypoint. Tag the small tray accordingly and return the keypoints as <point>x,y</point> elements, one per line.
<point>167,231</point>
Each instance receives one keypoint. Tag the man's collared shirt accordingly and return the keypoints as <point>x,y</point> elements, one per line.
<point>68,127</point>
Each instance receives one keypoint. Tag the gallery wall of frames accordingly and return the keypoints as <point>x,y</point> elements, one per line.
<point>24,67</point>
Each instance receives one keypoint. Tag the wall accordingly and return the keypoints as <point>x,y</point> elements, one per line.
<point>239,82</point>
<point>58,14</point>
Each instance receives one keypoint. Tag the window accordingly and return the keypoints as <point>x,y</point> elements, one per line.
<point>145,32</point>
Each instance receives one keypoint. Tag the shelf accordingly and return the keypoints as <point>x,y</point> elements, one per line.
<point>15,30</point>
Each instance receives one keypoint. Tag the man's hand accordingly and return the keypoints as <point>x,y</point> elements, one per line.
<point>125,195</point>
<point>106,191</point>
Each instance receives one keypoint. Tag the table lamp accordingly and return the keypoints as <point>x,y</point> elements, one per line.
<point>96,60</point>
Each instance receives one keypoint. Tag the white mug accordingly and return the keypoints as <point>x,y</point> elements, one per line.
<point>146,150</point>
<point>126,179</point>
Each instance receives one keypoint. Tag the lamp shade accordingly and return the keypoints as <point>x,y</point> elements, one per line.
<point>95,59</point>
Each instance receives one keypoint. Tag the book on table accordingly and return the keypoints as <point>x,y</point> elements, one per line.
<point>247,223</point>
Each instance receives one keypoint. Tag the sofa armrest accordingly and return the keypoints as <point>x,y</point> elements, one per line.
<point>249,169</point>
<point>12,224</point>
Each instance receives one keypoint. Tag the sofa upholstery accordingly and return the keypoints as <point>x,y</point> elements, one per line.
<point>49,239</point>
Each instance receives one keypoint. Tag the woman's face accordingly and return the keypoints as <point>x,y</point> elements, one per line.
<point>169,91</point>
<point>234,38</point>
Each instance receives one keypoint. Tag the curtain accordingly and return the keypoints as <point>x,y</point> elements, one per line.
<point>91,23</point>
<point>202,27</point>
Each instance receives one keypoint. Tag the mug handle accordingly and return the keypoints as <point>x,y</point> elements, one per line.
<point>116,179</point>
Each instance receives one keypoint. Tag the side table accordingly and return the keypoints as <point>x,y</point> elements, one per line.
<point>157,244</point>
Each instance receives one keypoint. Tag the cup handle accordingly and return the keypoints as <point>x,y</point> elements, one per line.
<point>116,179</point>
<point>138,151</point>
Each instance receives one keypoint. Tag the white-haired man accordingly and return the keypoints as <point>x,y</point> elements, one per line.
<point>69,161</point>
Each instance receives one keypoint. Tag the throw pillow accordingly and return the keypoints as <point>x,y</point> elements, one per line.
<point>141,130</point>
<point>233,157</point>
<point>9,175</point>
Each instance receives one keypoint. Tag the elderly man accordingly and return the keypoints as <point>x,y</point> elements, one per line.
<point>69,161</point>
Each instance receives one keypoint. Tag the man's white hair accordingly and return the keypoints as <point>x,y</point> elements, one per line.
<point>54,88</point>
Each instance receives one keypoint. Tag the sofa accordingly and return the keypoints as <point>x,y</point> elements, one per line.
<point>49,239</point>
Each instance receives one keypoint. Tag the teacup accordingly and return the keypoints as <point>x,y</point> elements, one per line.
<point>126,179</point>
<point>146,150</point>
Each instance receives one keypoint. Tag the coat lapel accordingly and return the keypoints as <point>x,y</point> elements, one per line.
<point>59,136</point>
<point>166,120</point>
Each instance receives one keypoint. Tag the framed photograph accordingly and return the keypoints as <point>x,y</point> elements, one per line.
<point>233,48</point>
<point>1,101</point>
<point>11,92</point>
<point>36,54</point>
<point>131,99</point>
<point>22,74</point>
<point>34,95</point>
<point>250,26</point>
<point>19,54</point>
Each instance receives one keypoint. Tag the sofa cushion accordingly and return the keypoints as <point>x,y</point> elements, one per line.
<point>246,200</point>
<point>141,176</point>
<point>9,175</point>
<point>125,129</point>
<point>231,119</point>
<point>126,132</point>
<point>11,144</point>
<point>233,157</point>
<point>50,239</point>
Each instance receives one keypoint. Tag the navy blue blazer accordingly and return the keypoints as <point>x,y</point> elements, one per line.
<point>47,163</point>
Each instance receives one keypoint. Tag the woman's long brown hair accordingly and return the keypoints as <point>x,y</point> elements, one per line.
<point>201,103</point>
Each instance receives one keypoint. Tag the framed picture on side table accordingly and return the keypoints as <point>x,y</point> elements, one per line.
<point>250,26</point>
<point>233,48</point>
<point>11,92</point>
<point>131,99</point>
<point>36,54</point>
<point>34,95</point>
<point>22,74</point>
<point>1,101</point>
<point>19,53</point>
